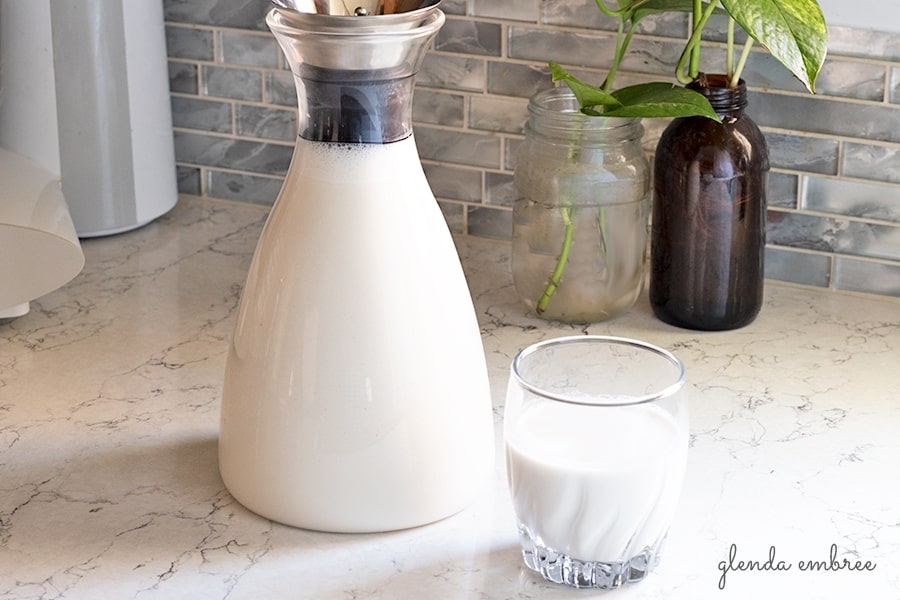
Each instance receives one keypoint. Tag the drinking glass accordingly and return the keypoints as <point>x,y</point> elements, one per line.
<point>596,436</point>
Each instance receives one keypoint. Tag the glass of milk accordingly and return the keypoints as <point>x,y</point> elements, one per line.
<point>596,435</point>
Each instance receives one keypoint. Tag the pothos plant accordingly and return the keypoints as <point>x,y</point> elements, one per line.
<point>792,31</point>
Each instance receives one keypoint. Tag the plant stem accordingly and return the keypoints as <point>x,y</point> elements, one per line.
<point>567,212</point>
<point>621,47</point>
<point>681,70</point>
<point>729,55</point>
<point>745,54</point>
<point>696,26</point>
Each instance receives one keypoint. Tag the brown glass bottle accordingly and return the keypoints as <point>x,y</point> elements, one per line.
<point>709,214</point>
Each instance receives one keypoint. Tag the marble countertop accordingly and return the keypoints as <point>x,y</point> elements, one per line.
<point>109,488</point>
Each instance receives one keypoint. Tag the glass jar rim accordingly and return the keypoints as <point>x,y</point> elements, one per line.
<point>602,401</point>
<point>554,113</point>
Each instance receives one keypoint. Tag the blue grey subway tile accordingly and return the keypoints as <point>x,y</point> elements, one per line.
<point>567,47</point>
<point>243,14</point>
<point>280,88</point>
<point>517,79</point>
<point>266,122</point>
<point>469,37</point>
<point>235,154</point>
<point>201,114</point>
<point>228,82</point>
<point>452,72</point>
<point>188,179</point>
<point>511,152</point>
<point>827,116</point>
<point>782,190</point>
<point>454,183</point>
<point>249,49</point>
<point>852,199</point>
<point>828,234</point>
<point>493,113</point>
<point>487,222</point>
<point>658,57</point>
<point>868,161</point>
<point>665,25</point>
<point>243,187</point>
<point>576,13</point>
<point>840,78</point>
<point>189,43</point>
<point>858,80</point>
<point>848,41</point>
<point>894,93</point>
<point>716,30</point>
<point>801,153</point>
<point>183,78</point>
<point>439,108</point>
<point>802,268</point>
<point>458,147</point>
<point>454,7</point>
<point>455,215</point>
<point>500,190</point>
<point>510,10</point>
<point>867,277</point>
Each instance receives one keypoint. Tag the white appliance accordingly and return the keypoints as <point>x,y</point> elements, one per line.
<point>84,91</point>
<point>86,143</point>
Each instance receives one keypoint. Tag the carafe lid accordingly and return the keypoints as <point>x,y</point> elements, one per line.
<point>355,8</point>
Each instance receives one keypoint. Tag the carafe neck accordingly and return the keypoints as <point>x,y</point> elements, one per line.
<point>355,75</point>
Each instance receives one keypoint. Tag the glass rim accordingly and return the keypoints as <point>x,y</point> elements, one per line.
<point>666,392</point>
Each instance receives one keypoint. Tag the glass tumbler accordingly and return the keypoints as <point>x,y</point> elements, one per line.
<point>596,435</point>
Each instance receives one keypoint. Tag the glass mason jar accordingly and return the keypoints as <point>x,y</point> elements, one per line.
<point>581,211</point>
<point>709,215</point>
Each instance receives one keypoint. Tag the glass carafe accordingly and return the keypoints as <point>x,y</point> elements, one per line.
<point>356,395</point>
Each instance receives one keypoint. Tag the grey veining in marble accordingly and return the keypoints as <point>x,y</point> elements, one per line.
<point>506,115</point>
<point>189,43</point>
<point>515,10</point>
<point>265,122</point>
<point>248,14</point>
<point>196,113</point>
<point>464,148</point>
<point>109,486</point>
<point>454,182</point>
<point>229,82</point>
<point>814,155</point>
<point>853,199</point>
<point>439,108</point>
<point>256,50</point>
<point>260,157</point>
<point>452,72</point>
<point>183,78</point>
<point>870,161</point>
<point>471,37</point>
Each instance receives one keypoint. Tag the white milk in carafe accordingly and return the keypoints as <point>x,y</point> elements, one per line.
<point>619,492</point>
<point>377,407</point>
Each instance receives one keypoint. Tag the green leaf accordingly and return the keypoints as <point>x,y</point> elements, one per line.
<point>587,95</point>
<point>793,31</point>
<point>658,99</point>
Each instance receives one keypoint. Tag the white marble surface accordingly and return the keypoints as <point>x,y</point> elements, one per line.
<point>109,488</point>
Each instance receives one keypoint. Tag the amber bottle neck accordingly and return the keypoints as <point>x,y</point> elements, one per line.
<point>728,102</point>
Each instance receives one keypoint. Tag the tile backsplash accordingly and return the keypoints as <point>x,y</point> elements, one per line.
<point>834,197</point>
